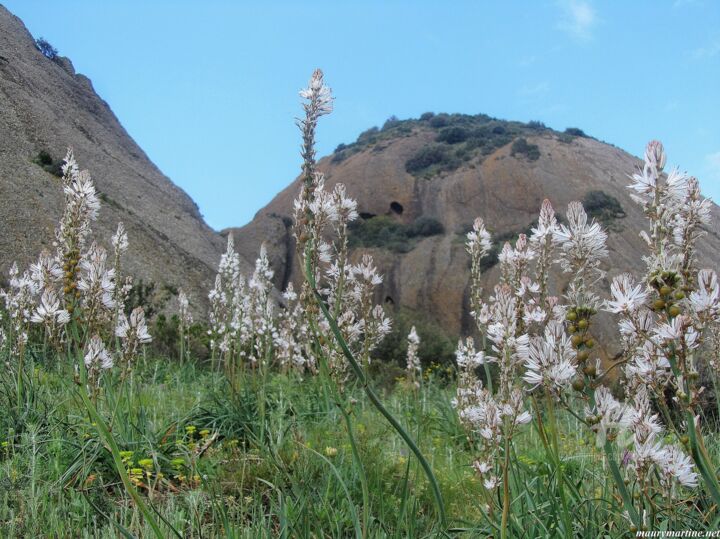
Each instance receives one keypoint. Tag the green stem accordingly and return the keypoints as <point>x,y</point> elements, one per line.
<point>615,471</point>
<point>558,465</point>
<point>361,470</point>
<point>506,491</point>
<point>373,397</point>
<point>697,447</point>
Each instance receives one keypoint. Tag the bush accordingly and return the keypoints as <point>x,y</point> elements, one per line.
<point>44,158</point>
<point>522,147</point>
<point>391,122</point>
<point>426,157</point>
<point>339,157</point>
<point>368,136</point>
<point>387,233</point>
<point>45,48</point>
<point>426,116</point>
<point>46,161</point>
<point>536,126</point>
<point>439,120</point>
<point>435,345</point>
<point>425,226</point>
<point>452,135</point>
<point>603,207</point>
<point>575,132</point>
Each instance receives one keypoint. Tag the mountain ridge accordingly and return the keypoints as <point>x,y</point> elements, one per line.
<point>46,107</point>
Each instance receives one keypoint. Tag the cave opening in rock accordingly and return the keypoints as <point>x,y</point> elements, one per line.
<point>396,207</point>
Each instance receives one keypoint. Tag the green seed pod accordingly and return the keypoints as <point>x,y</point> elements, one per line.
<point>583,324</point>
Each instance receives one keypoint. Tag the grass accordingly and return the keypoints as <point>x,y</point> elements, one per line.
<point>222,478</point>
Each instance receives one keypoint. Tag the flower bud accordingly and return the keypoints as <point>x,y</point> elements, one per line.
<point>655,154</point>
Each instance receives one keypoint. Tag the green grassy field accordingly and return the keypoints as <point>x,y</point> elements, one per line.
<point>213,463</point>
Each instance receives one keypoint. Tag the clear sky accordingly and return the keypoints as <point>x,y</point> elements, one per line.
<point>209,88</point>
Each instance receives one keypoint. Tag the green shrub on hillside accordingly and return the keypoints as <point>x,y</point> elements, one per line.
<point>387,233</point>
<point>522,147</point>
<point>575,132</point>
<point>436,346</point>
<point>603,207</point>
<point>47,50</point>
<point>46,161</point>
<point>452,135</point>
<point>429,156</point>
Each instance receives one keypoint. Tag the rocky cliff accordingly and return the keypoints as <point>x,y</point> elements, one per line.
<point>44,108</point>
<point>421,183</point>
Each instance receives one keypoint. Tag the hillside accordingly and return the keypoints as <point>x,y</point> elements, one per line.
<point>44,108</point>
<point>420,184</point>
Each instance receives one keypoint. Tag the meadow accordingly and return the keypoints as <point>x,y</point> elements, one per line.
<point>293,427</point>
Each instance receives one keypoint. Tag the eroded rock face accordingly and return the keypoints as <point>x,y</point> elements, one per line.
<point>505,190</point>
<point>46,106</point>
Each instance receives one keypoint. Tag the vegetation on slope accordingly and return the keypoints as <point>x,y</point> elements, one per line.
<point>387,233</point>
<point>459,138</point>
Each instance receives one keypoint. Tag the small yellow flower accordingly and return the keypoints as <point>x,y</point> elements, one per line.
<point>205,433</point>
<point>145,463</point>
<point>331,451</point>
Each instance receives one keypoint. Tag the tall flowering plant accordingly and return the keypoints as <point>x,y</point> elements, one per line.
<point>345,325</point>
<point>543,346</point>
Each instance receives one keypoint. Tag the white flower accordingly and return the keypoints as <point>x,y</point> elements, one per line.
<point>551,359</point>
<point>45,271</point>
<point>120,240</point>
<point>49,310</point>
<point>413,361</point>
<point>655,155</point>
<point>677,465</point>
<point>478,239</point>
<point>467,357</point>
<point>582,245</point>
<point>705,301</point>
<point>318,95</point>
<point>135,329</point>
<point>96,356</point>
<point>627,297</point>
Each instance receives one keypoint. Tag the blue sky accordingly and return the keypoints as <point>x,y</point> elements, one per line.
<point>209,89</point>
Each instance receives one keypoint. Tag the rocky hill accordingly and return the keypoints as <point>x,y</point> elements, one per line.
<point>421,183</point>
<point>44,108</point>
